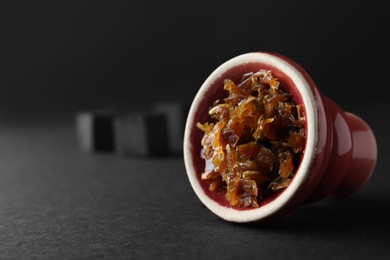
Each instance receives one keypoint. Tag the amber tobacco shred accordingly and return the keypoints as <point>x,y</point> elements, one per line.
<point>254,140</point>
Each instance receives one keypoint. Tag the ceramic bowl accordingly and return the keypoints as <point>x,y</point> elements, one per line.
<point>340,152</point>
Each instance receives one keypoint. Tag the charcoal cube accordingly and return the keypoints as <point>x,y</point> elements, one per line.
<point>141,134</point>
<point>95,130</point>
<point>176,114</point>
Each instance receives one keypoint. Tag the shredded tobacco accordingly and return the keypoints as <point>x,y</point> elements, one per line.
<point>254,141</point>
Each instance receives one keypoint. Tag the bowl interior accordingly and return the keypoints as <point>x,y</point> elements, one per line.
<point>211,90</point>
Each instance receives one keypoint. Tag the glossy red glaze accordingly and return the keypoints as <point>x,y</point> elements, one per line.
<point>337,162</point>
<point>363,157</point>
<point>340,150</point>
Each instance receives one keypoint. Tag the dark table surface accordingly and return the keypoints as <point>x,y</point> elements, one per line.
<point>59,202</point>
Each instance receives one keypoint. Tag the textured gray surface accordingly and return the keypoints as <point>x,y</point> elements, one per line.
<point>58,202</point>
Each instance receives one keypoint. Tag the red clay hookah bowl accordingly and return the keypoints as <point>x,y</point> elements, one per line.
<point>340,153</point>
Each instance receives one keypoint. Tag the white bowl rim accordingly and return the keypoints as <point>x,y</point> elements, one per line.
<point>303,86</point>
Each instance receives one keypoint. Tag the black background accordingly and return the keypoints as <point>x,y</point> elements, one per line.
<point>59,57</point>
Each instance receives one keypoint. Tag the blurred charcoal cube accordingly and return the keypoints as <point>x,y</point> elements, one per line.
<point>176,114</point>
<point>95,130</point>
<point>141,134</point>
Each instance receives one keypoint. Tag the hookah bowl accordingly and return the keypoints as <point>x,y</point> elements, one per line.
<point>340,153</point>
